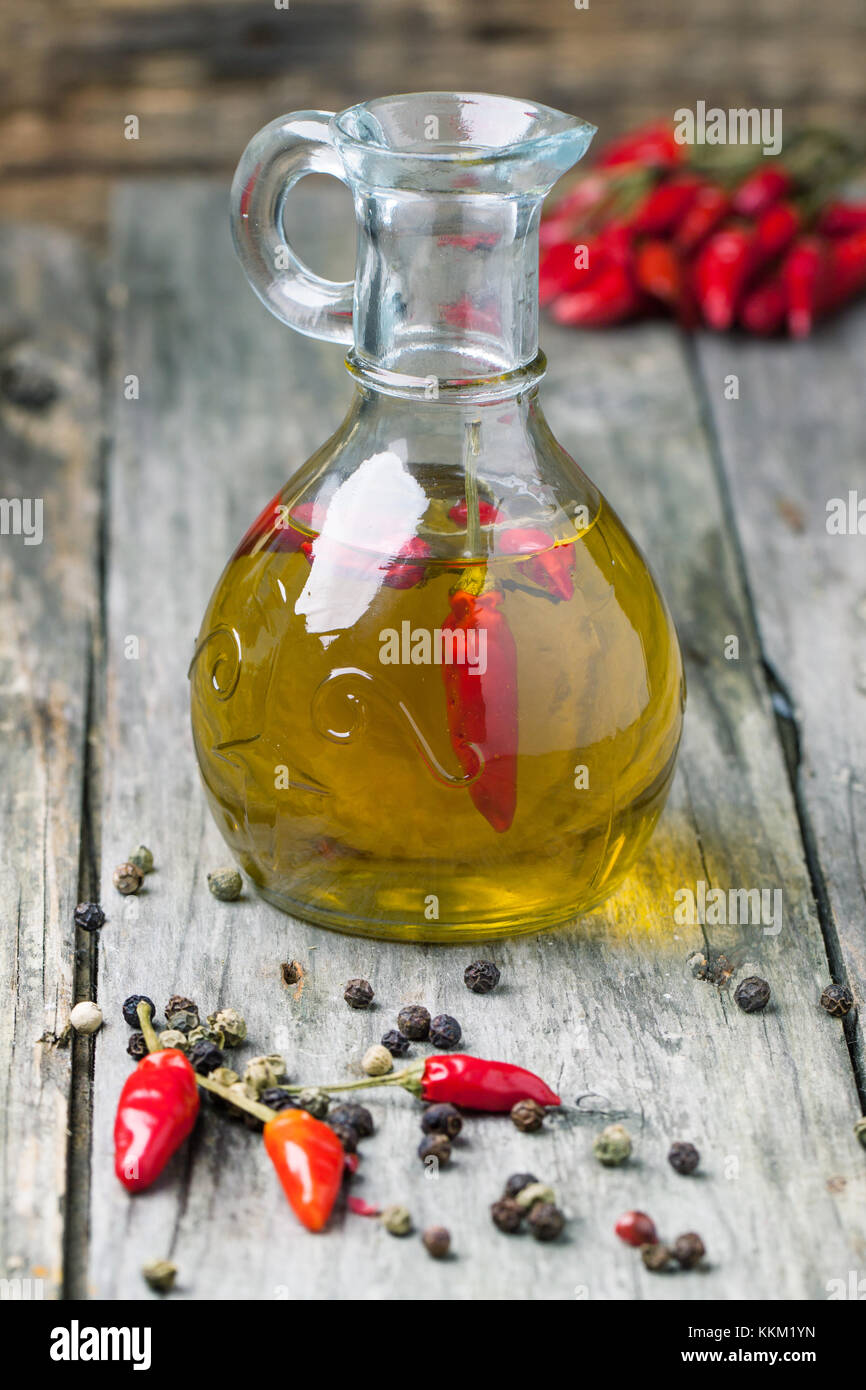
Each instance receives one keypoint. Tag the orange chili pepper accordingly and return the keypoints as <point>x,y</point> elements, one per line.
<point>309,1160</point>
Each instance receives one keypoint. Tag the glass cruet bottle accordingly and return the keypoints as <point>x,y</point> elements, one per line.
<point>436,694</point>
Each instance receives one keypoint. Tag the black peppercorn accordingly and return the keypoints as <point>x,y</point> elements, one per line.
<point>89,916</point>
<point>436,1146</point>
<point>506,1215</point>
<point>481,976</point>
<point>179,1004</point>
<point>683,1158</point>
<point>445,1031</point>
<point>137,1047</point>
<point>442,1118</point>
<point>517,1182</point>
<point>396,1042</point>
<point>130,1006</point>
<point>358,994</point>
<point>205,1057</point>
<point>437,1241</point>
<point>346,1133</point>
<point>656,1257</point>
<point>28,384</point>
<point>349,1112</point>
<point>527,1115</point>
<point>689,1249</point>
<point>414,1022</point>
<point>752,994</point>
<point>546,1221</point>
<point>275,1098</point>
<point>837,1000</point>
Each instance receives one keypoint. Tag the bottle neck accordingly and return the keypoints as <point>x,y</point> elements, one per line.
<point>446,287</point>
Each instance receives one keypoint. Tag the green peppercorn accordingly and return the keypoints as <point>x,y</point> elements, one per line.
<point>224,1076</point>
<point>612,1145</point>
<point>262,1072</point>
<point>445,1031</point>
<point>517,1182</point>
<point>160,1275</point>
<point>183,1021</point>
<point>546,1221</point>
<point>506,1215</point>
<point>683,1158</point>
<point>316,1102</point>
<point>396,1220</point>
<point>752,994</point>
<point>89,916</point>
<point>178,1003</point>
<point>689,1250</point>
<point>860,1130</point>
<point>231,1024</point>
<point>358,994</point>
<point>437,1146</point>
<point>837,1000</point>
<point>656,1257</point>
<point>173,1037</point>
<point>535,1192</point>
<point>350,1112</point>
<point>527,1115</point>
<point>127,879</point>
<point>142,858</point>
<point>442,1118</point>
<point>225,884</point>
<point>414,1022</point>
<point>437,1241</point>
<point>481,976</point>
<point>137,1047</point>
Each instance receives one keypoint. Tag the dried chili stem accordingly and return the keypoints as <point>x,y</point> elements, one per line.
<point>473,517</point>
<point>145,1016</point>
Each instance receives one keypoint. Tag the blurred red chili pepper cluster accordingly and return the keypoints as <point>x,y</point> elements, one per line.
<point>720,237</point>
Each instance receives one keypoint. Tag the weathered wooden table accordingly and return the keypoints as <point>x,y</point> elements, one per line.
<point>143,499</point>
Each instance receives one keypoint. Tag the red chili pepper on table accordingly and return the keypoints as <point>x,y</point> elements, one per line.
<point>803,274</point>
<point>480,1085</point>
<point>481,702</point>
<point>845,270</point>
<point>761,189</point>
<point>665,206</point>
<point>653,144</point>
<point>841,219</point>
<point>710,206</point>
<point>471,1082</point>
<point>722,268</point>
<point>613,295</point>
<point>549,565</point>
<point>155,1113</point>
<point>659,272</point>
<point>764,307</point>
<point>310,1164</point>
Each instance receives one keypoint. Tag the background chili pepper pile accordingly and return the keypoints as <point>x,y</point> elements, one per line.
<point>720,236</point>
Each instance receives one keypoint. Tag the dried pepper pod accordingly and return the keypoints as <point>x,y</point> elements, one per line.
<point>474,1083</point>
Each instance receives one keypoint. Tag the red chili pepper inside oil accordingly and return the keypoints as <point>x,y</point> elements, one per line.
<point>369,779</point>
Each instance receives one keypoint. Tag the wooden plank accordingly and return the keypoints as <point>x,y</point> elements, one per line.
<point>607,1010</point>
<point>793,441</point>
<point>49,624</point>
<point>202,74</point>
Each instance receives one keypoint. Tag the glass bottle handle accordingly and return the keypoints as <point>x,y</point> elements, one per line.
<point>273,161</point>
